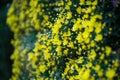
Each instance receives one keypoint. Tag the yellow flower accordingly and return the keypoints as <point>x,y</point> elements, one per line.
<point>16,70</point>
<point>42,68</point>
<point>86,75</point>
<point>71,78</point>
<point>89,64</point>
<point>87,41</point>
<point>98,37</point>
<point>46,54</point>
<point>22,15</point>
<point>88,2</point>
<point>93,7</point>
<point>85,34</point>
<point>98,29</point>
<point>85,16</point>
<point>75,27</point>
<point>46,17</point>
<point>80,60</point>
<point>69,3</point>
<point>67,7</point>
<point>37,25</point>
<point>66,51</point>
<point>33,3</point>
<point>71,44</point>
<point>110,73</point>
<point>89,10</point>
<point>95,2</point>
<point>79,38</point>
<point>56,40</point>
<point>13,78</point>
<point>30,56</point>
<point>83,47</point>
<point>78,10</point>
<point>82,2</point>
<point>116,63</point>
<point>102,56</point>
<point>59,50</point>
<point>67,33</point>
<point>65,42</point>
<point>92,44</point>
<point>55,29</point>
<point>97,68</point>
<point>108,50</point>
<point>100,73</point>
<point>69,15</point>
<point>92,55</point>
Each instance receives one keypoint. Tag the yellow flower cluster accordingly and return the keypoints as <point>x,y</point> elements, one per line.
<point>61,40</point>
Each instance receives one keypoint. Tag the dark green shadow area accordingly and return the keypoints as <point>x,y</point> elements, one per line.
<point>6,48</point>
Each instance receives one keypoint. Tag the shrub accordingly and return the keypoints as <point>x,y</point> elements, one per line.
<point>63,39</point>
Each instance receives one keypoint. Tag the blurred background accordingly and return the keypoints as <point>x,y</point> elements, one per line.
<point>6,48</point>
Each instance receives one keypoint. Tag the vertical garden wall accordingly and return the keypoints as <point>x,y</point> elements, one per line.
<point>65,39</point>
